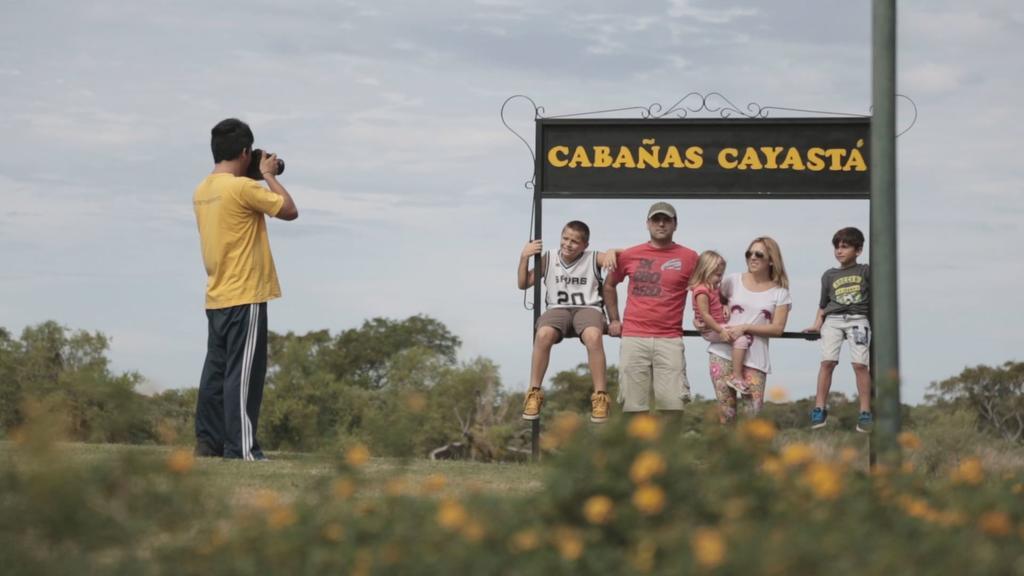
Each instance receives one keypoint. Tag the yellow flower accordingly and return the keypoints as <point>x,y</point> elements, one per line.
<point>390,554</point>
<point>708,547</point>
<point>363,563</point>
<point>451,515</point>
<point>758,430</point>
<point>473,531</point>
<point>824,480</point>
<point>969,472</point>
<point>772,466</point>
<point>647,465</point>
<point>644,427</point>
<point>907,467</point>
<point>796,454</point>
<point>281,517</point>
<point>524,541</point>
<point>916,507</point>
<point>563,428</point>
<point>598,509</point>
<point>394,487</point>
<point>642,557</point>
<point>434,483</point>
<point>909,441</point>
<point>416,402</point>
<point>848,455</point>
<point>343,488</point>
<point>995,524</point>
<point>332,532</point>
<point>266,499</point>
<point>569,543</point>
<point>357,455</point>
<point>777,394</point>
<point>649,499</point>
<point>181,461</point>
<point>1018,488</point>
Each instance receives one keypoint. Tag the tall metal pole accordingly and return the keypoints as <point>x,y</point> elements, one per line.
<point>884,293</point>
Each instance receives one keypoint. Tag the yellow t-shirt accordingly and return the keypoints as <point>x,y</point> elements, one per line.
<point>233,236</point>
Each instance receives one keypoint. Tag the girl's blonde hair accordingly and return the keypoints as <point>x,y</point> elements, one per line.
<point>776,268</point>
<point>708,262</point>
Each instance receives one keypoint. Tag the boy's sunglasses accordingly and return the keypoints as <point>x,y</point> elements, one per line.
<point>755,254</point>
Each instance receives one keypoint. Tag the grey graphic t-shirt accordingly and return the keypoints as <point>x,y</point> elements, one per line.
<point>846,290</point>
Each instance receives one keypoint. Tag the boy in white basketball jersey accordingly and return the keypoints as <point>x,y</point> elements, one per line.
<point>572,286</point>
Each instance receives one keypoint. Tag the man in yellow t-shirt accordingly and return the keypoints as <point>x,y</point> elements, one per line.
<point>241,278</point>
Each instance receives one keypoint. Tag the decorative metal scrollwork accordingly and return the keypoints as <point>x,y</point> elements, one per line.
<point>692,103</point>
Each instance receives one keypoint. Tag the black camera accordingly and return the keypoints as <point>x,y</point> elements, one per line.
<point>254,165</point>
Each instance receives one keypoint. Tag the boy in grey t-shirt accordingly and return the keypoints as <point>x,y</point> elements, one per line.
<point>843,315</point>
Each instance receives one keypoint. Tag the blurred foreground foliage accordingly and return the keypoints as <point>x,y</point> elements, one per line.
<point>635,496</point>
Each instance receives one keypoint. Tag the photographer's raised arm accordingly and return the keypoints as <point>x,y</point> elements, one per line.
<point>268,168</point>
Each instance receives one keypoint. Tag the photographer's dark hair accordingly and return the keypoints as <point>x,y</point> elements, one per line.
<point>229,138</point>
<point>849,236</point>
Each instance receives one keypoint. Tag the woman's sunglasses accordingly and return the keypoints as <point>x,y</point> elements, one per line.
<point>755,254</point>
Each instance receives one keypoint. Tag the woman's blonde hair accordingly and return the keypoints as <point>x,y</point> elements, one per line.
<point>776,268</point>
<point>708,262</point>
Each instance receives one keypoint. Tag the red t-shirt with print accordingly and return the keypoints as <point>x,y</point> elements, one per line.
<point>657,288</point>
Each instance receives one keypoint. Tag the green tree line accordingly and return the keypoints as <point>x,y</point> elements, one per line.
<point>395,385</point>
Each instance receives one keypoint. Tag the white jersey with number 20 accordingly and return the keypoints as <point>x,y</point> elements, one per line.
<point>574,285</point>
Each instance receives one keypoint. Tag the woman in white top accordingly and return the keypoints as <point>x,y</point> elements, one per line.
<point>759,302</point>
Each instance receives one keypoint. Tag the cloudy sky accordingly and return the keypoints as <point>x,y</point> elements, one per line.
<point>411,190</point>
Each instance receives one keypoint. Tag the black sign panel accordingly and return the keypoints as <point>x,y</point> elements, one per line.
<point>704,158</point>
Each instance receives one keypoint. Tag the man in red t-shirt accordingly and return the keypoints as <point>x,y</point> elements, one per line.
<point>652,353</point>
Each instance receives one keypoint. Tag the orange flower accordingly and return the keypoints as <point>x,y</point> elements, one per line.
<point>644,427</point>
<point>598,509</point>
<point>647,465</point>
<point>181,461</point>
<point>649,499</point>
<point>995,523</point>
<point>332,532</point>
<point>343,488</point>
<point>758,430</point>
<point>524,541</point>
<point>708,547</point>
<point>357,455</point>
<point>473,531</point>
<point>824,480</point>
<point>970,472</point>
<point>416,402</point>
<point>434,483</point>
<point>909,441</point>
<point>569,543</point>
<point>796,454</point>
<point>777,394</point>
<point>281,517</point>
<point>642,558</point>
<point>772,466</point>
<point>451,515</point>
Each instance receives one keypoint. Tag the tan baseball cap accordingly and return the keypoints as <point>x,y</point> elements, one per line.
<point>661,208</point>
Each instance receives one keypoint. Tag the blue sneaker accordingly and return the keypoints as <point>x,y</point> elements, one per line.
<point>865,422</point>
<point>819,416</point>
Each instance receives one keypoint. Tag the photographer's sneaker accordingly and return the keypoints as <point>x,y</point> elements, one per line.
<point>599,407</point>
<point>531,406</point>
<point>865,422</point>
<point>819,417</point>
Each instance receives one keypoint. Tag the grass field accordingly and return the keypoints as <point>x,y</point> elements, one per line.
<point>290,473</point>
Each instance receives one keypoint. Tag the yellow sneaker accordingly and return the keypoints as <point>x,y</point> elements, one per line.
<point>531,407</point>
<point>599,407</point>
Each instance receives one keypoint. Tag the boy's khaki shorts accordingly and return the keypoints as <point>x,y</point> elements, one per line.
<point>571,322</point>
<point>652,364</point>
<point>854,329</point>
